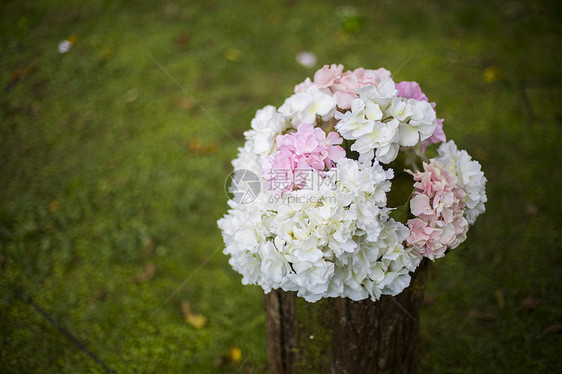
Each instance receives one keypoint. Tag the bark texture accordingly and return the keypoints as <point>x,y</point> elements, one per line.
<point>338,335</point>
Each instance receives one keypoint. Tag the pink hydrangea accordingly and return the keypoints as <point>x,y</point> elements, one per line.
<point>438,205</point>
<point>344,86</point>
<point>412,90</point>
<point>296,153</point>
<point>326,76</point>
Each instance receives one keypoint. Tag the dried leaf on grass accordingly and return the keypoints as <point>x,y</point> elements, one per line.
<point>17,75</point>
<point>530,303</point>
<point>147,274</point>
<point>477,314</point>
<point>182,40</point>
<point>97,295</point>
<point>233,356</point>
<point>428,299</point>
<point>531,209</point>
<point>197,147</point>
<point>233,54</point>
<point>53,206</point>
<point>553,328</point>
<point>491,74</point>
<point>149,247</point>
<point>196,320</point>
<point>185,103</point>
<point>499,298</point>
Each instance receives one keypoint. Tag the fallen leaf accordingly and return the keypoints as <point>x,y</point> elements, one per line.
<point>531,209</point>
<point>131,95</point>
<point>53,206</point>
<point>477,314</point>
<point>149,247</point>
<point>17,75</point>
<point>499,299</point>
<point>491,74</point>
<point>196,320</point>
<point>530,303</point>
<point>106,53</point>
<point>428,299</point>
<point>147,274</point>
<point>185,103</point>
<point>197,147</point>
<point>235,355</point>
<point>233,54</point>
<point>182,40</point>
<point>98,295</point>
<point>553,328</point>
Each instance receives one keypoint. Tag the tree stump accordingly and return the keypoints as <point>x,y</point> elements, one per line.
<point>339,335</point>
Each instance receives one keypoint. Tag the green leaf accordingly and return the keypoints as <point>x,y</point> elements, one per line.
<point>401,213</point>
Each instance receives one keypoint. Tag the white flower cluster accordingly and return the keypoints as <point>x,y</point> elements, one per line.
<point>380,122</point>
<point>343,244</point>
<point>260,139</point>
<point>305,106</point>
<point>469,177</point>
<point>336,239</point>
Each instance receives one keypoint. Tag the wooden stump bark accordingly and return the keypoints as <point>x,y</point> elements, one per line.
<point>337,335</point>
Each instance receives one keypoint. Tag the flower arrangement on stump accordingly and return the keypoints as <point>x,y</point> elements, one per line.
<point>349,202</point>
<point>339,195</point>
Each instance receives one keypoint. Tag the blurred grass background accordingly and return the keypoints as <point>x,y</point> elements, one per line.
<point>111,178</point>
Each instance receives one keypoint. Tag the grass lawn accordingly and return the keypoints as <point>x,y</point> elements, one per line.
<point>113,158</point>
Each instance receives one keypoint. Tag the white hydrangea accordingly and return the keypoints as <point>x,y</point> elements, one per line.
<point>470,178</point>
<point>303,107</point>
<point>260,139</point>
<point>381,142</point>
<point>380,122</point>
<point>247,158</point>
<point>333,241</point>
<point>266,125</point>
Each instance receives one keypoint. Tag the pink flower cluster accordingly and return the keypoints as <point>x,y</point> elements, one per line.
<point>344,85</point>
<point>438,205</point>
<point>307,149</point>
<point>412,90</point>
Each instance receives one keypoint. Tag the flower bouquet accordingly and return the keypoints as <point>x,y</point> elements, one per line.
<point>343,189</point>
